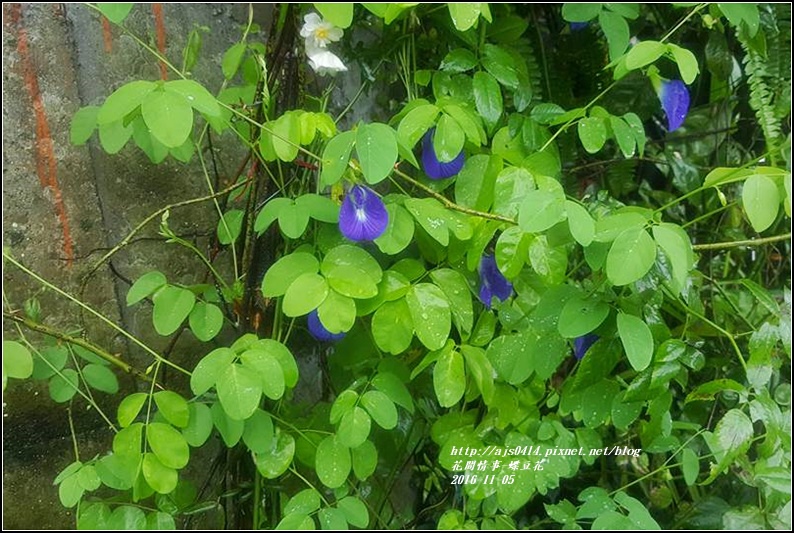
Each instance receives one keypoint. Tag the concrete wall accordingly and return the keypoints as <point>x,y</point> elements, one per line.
<point>63,206</point>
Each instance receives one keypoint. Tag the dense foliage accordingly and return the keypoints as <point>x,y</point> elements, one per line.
<point>545,277</point>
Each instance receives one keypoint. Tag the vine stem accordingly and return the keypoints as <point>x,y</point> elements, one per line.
<point>737,244</point>
<point>94,312</point>
<point>452,205</point>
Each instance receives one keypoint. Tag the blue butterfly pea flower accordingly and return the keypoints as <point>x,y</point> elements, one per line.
<point>435,169</point>
<point>363,216</point>
<point>674,96</point>
<point>319,332</point>
<point>582,344</point>
<point>492,282</point>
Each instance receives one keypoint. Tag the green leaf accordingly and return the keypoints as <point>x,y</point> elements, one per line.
<point>612,521</point>
<point>101,378</point>
<point>206,321</point>
<point>277,459</point>
<point>93,516</point>
<point>431,315</point>
<point>389,384</point>
<point>319,207</point>
<point>455,288</point>
<point>399,233</point>
<point>734,431</point>
<point>173,407</point>
<point>480,370</point>
<point>676,245</point>
<point>351,281</point>
<point>114,136</point>
<point>339,14</point>
<point>616,30</point>
<point>88,478</point>
<point>376,148</point>
<point>575,12</point>
<point>337,312</point>
<point>331,519</point>
<point>644,53</point>
<point>169,117</point>
<point>230,430</point>
<point>354,427</point>
<point>17,361</point>
<point>284,357</point>
<point>487,98</point>
<point>196,96</point>
<point>631,256</point>
<point>305,502</point>
<point>128,518</point>
<point>431,216</point>
<point>580,223</point>
<point>145,286</point>
<point>336,157</point>
<point>448,139</point>
<point>64,386</point>
<point>232,59</point>
<point>708,390</point>
<point>50,360</point>
<point>509,356</point>
<point>593,133</point>
<point>286,270</point>
<point>474,185</point>
<point>348,255</point>
<point>540,210</point>
<point>687,63</point>
<point>458,60</point>
<point>159,477</point>
<point>464,15</point>
<point>332,462</point>
<point>355,511</point>
<point>124,101</point>
<point>581,315</point>
<point>230,225</point>
<point>690,466</point>
<point>511,251</point>
<point>296,522</point>
<point>416,122</point>
<point>168,445</point>
<point>761,201</point>
<point>393,327</point>
<point>638,129</point>
<point>286,134</point>
<point>293,220</point>
<point>449,378</point>
<point>268,369</point>
<point>160,521</point>
<point>210,369</point>
<point>115,13</point>
<point>468,120</point>
<point>172,305</point>
<point>83,124</point>
<point>742,12</point>
<point>130,407</point>
<point>199,424</point>
<point>304,295</point>
<point>500,64</point>
<point>380,408</point>
<point>624,135</point>
<point>365,460</point>
<point>258,433</point>
<point>239,390</point>
<point>637,340</point>
<point>343,404</point>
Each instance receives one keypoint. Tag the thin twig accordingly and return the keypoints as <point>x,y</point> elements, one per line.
<point>737,244</point>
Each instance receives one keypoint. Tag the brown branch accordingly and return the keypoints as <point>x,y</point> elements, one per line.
<point>109,357</point>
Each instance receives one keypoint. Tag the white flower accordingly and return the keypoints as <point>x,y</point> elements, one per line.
<point>318,32</point>
<point>324,61</point>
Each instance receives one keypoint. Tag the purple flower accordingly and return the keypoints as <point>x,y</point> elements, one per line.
<point>582,344</point>
<point>675,102</point>
<point>319,332</point>
<point>435,169</point>
<point>363,216</point>
<point>577,26</point>
<point>492,282</point>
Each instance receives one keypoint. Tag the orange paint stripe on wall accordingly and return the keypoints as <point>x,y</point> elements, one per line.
<point>107,35</point>
<point>159,28</point>
<point>45,154</point>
